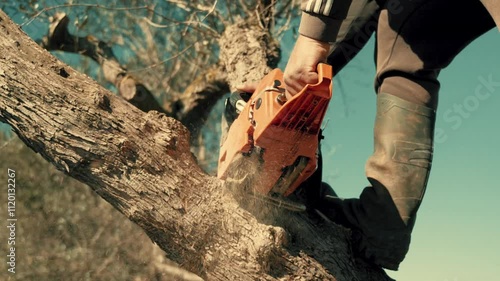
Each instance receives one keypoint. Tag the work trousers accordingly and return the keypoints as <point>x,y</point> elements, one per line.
<point>416,39</point>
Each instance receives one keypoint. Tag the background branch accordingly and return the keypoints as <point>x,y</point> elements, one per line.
<point>59,38</point>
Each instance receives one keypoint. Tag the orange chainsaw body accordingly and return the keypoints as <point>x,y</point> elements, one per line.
<point>284,134</point>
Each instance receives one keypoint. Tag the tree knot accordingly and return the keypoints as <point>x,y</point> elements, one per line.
<point>271,256</point>
<point>102,101</point>
<point>128,150</point>
<point>166,139</point>
<point>63,73</point>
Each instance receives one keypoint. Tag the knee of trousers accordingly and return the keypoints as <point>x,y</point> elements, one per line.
<point>420,88</point>
<point>402,157</point>
<point>404,68</point>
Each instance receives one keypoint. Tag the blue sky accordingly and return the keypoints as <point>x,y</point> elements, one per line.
<point>457,235</point>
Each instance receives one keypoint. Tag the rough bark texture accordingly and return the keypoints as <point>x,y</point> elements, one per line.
<point>191,107</point>
<point>140,163</point>
<point>248,52</point>
<point>59,38</point>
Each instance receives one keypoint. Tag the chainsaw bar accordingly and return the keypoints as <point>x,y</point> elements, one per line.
<point>281,202</point>
<point>244,173</point>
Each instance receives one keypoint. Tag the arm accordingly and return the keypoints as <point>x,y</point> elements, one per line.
<point>319,25</point>
<point>319,30</point>
<point>356,30</point>
<point>321,19</point>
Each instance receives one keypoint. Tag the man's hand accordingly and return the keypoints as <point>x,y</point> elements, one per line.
<point>301,67</point>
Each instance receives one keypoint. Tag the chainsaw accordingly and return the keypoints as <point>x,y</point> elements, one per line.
<point>269,144</point>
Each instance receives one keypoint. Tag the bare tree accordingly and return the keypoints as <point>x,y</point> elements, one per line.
<point>179,48</point>
<point>142,165</point>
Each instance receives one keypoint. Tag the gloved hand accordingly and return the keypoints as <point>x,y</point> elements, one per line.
<point>302,64</point>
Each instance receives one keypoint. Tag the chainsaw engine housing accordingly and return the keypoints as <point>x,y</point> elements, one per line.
<point>272,146</point>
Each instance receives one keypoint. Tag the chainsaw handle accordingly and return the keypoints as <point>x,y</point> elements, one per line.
<point>323,87</point>
<point>325,71</point>
<point>325,75</point>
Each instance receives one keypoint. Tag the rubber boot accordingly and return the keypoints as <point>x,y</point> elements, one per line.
<point>382,219</point>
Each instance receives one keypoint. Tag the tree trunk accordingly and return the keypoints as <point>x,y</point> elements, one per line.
<point>140,163</point>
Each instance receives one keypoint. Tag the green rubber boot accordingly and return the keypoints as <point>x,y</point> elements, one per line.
<point>382,219</point>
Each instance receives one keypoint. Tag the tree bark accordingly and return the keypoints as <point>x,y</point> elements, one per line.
<point>248,52</point>
<point>140,163</point>
<point>190,107</point>
<point>59,38</point>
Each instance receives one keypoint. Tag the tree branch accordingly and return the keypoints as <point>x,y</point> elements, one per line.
<point>141,164</point>
<point>247,52</point>
<point>191,107</point>
<point>128,87</point>
<point>194,105</point>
